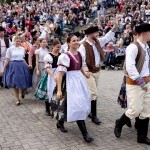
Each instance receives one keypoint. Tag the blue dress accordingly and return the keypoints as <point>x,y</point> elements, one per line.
<point>17,73</point>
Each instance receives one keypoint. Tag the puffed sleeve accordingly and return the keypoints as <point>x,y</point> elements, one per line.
<point>63,62</point>
<point>37,52</point>
<point>8,53</point>
<point>48,61</point>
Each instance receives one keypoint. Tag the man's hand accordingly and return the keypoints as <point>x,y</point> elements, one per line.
<point>145,88</point>
<point>116,25</point>
<point>87,74</point>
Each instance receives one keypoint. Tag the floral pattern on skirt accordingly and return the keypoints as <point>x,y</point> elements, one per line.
<point>122,98</point>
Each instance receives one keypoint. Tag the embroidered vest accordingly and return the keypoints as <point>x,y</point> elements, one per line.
<point>139,59</point>
<point>73,64</point>
<point>90,57</point>
<point>55,60</point>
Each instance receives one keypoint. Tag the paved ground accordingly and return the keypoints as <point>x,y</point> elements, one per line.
<point>27,128</point>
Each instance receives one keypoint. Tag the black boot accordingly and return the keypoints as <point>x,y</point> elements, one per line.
<point>119,124</point>
<point>1,84</point>
<point>129,124</point>
<point>60,126</point>
<point>90,115</point>
<point>94,112</point>
<point>82,127</point>
<point>142,131</point>
<point>136,123</point>
<point>47,106</point>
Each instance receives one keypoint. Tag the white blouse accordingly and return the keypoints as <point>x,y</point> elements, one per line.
<point>15,53</point>
<point>48,61</point>
<point>64,62</point>
<point>42,53</point>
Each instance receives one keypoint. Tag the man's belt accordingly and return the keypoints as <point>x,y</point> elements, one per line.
<point>132,82</point>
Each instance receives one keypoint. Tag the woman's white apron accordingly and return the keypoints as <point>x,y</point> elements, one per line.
<point>51,84</point>
<point>78,96</point>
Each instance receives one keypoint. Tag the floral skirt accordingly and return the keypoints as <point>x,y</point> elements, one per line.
<point>122,98</point>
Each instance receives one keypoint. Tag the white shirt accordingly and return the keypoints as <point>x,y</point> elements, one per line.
<point>42,53</point>
<point>15,53</point>
<point>3,49</point>
<point>83,40</point>
<point>128,18</point>
<point>131,54</point>
<point>147,12</point>
<point>103,40</point>
<point>44,33</point>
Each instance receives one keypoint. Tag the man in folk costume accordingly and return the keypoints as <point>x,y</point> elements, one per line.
<point>137,85</point>
<point>91,49</point>
<point>4,44</point>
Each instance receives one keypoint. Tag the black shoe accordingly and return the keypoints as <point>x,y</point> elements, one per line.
<point>118,129</point>
<point>61,127</point>
<point>90,115</point>
<point>57,116</point>
<point>96,120</point>
<point>82,127</point>
<point>119,124</point>
<point>144,141</point>
<point>129,124</point>
<point>23,96</point>
<point>142,131</point>
<point>47,113</point>
<point>1,84</point>
<point>94,112</point>
<point>88,139</point>
<point>47,106</point>
<point>136,123</point>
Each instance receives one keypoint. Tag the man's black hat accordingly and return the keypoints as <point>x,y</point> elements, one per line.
<point>144,27</point>
<point>91,30</point>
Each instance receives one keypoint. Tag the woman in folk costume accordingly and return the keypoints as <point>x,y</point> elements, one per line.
<point>39,68</point>
<point>51,60</point>
<point>77,104</point>
<point>31,58</point>
<point>16,71</point>
<point>4,44</point>
<point>26,44</point>
<point>137,85</point>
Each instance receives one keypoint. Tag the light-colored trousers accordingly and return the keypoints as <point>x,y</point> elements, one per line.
<point>138,102</point>
<point>93,85</point>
